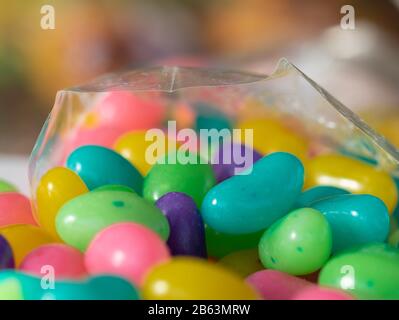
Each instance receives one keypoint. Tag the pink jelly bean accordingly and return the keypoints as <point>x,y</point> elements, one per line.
<point>15,208</point>
<point>276,285</point>
<point>320,293</point>
<point>68,262</point>
<point>126,249</point>
<point>128,111</point>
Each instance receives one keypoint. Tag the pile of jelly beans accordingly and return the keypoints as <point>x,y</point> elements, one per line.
<point>106,224</point>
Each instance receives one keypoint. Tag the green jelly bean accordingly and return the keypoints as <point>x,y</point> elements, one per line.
<point>220,244</point>
<point>81,218</point>
<point>368,272</point>
<point>114,187</point>
<point>171,175</point>
<point>7,187</point>
<point>393,239</point>
<point>299,243</point>
<point>244,262</point>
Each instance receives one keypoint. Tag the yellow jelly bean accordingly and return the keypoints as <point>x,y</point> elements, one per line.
<point>23,238</point>
<point>244,262</point>
<point>271,136</point>
<point>133,146</point>
<point>353,175</point>
<point>197,279</point>
<point>56,187</point>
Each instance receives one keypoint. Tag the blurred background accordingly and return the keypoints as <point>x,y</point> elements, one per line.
<point>93,37</point>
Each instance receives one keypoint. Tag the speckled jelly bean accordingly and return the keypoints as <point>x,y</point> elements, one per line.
<point>232,158</point>
<point>300,243</point>
<point>126,249</point>
<point>98,166</point>
<point>355,219</point>
<point>187,232</point>
<point>6,186</point>
<point>221,244</point>
<point>194,279</point>
<point>320,293</point>
<point>353,175</point>
<point>277,285</point>
<point>133,146</point>
<point>56,187</point>
<point>270,135</point>
<point>24,238</point>
<point>6,255</point>
<point>366,272</point>
<point>314,194</point>
<point>252,202</point>
<point>15,208</point>
<point>67,262</point>
<point>81,218</point>
<point>193,179</point>
<point>244,262</point>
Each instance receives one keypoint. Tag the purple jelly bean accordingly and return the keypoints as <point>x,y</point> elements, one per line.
<point>233,158</point>
<point>187,231</point>
<point>6,256</point>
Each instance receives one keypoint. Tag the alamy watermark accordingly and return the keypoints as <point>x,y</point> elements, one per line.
<point>47,20</point>
<point>348,18</point>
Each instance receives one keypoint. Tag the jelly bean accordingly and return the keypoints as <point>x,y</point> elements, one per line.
<point>66,261</point>
<point>299,243</point>
<point>251,202</point>
<point>81,218</point>
<point>24,238</point>
<point>232,158</point>
<point>193,179</point>
<point>99,166</point>
<point>126,249</point>
<point>269,135</point>
<point>277,285</point>
<point>209,117</point>
<point>221,244</point>
<point>114,187</point>
<point>194,279</point>
<point>317,193</point>
<point>366,272</point>
<point>133,146</point>
<point>320,293</point>
<point>128,111</point>
<point>15,208</point>
<point>355,219</point>
<point>353,175</point>
<point>7,187</point>
<point>187,232</point>
<point>6,255</point>
<point>244,262</point>
<point>56,187</point>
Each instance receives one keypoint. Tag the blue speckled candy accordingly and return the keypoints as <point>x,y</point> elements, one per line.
<point>187,231</point>
<point>99,166</point>
<point>252,202</point>
<point>355,219</point>
<point>318,193</point>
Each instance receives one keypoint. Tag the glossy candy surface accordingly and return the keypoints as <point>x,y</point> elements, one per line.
<point>15,208</point>
<point>354,219</point>
<point>353,175</point>
<point>187,232</point>
<point>320,293</point>
<point>299,244</point>
<point>80,219</point>
<point>252,202</point>
<point>193,179</point>
<point>98,166</point>
<point>56,187</point>
<point>314,194</point>
<point>67,262</point>
<point>366,272</point>
<point>193,278</point>
<point>125,249</point>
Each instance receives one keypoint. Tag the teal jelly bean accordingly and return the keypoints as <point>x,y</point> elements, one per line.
<point>99,166</point>
<point>355,219</point>
<point>209,117</point>
<point>318,193</point>
<point>254,200</point>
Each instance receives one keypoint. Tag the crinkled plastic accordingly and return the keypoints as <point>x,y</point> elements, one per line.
<point>287,93</point>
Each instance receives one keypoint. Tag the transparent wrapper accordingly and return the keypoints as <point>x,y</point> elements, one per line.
<point>287,94</point>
